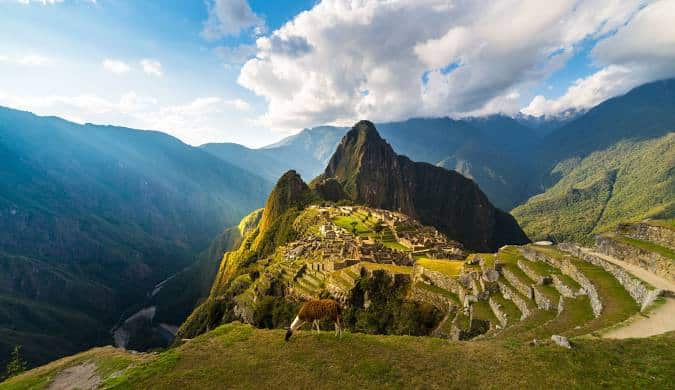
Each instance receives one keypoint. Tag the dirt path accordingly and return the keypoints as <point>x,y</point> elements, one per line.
<point>81,377</point>
<point>660,319</point>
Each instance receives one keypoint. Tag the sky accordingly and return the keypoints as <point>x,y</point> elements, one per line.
<point>255,71</point>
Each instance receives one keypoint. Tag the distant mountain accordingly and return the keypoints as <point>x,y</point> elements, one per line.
<point>371,173</point>
<point>494,151</point>
<point>612,164</point>
<point>92,217</point>
<point>629,181</point>
<point>306,152</point>
<point>546,124</point>
<point>645,112</point>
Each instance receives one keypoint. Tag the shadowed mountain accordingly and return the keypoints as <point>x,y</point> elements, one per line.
<point>92,217</point>
<point>370,172</point>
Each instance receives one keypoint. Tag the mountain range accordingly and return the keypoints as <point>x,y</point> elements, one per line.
<point>98,222</point>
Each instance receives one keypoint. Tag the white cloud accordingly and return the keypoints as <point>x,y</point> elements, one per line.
<point>28,60</point>
<point>230,18</point>
<point>115,66</point>
<point>344,60</point>
<point>152,67</point>
<point>198,121</point>
<point>641,51</point>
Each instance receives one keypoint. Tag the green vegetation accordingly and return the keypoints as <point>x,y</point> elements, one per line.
<point>377,305</point>
<point>16,364</point>
<point>439,291</point>
<point>603,189</point>
<point>450,268</point>
<point>238,356</point>
<point>646,245</point>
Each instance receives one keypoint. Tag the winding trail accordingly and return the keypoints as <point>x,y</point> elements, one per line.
<point>660,319</point>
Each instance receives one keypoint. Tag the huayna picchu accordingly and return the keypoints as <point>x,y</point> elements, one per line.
<point>369,172</point>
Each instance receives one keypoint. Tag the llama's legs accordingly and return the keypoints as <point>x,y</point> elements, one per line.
<point>316,324</point>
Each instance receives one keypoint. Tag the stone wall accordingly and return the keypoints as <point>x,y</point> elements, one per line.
<point>562,288</point>
<point>532,274</point>
<point>517,284</point>
<point>425,296</point>
<point>651,261</point>
<point>643,294</point>
<point>511,295</point>
<point>437,279</point>
<point>541,300</point>
<point>646,232</point>
<point>497,310</point>
<point>566,267</point>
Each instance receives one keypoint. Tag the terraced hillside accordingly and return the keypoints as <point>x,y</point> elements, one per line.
<point>509,304</point>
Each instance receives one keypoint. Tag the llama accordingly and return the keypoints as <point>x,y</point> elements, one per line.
<point>314,311</point>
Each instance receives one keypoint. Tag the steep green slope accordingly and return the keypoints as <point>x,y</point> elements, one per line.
<point>238,268</point>
<point>92,217</point>
<point>629,181</point>
<point>238,356</point>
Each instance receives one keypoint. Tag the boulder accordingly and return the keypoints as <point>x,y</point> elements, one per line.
<point>561,341</point>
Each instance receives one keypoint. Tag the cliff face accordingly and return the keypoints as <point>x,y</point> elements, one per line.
<point>371,173</point>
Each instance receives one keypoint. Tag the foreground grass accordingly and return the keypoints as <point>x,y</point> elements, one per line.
<point>238,356</point>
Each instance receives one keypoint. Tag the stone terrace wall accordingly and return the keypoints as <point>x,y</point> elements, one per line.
<point>567,268</point>
<point>562,288</point>
<point>516,283</point>
<point>438,279</point>
<point>511,295</point>
<point>541,300</point>
<point>424,296</point>
<point>646,232</point>
<point>643,294</point>
<point>497,310</point>
<point>653,262</point>
<point>540,279</point>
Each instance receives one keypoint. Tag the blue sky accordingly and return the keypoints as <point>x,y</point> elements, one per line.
<point>252,72</point>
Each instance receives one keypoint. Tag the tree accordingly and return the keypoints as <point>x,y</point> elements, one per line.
<point>378,228</point>
<point>16,365</point>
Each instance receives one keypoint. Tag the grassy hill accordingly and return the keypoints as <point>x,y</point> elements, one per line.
<point>239,356</point>
<point>629,181</point>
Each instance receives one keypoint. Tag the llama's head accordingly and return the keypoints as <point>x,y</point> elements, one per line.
<point>289,333</point>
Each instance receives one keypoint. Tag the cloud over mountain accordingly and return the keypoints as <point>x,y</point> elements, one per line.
<point>392,60</point>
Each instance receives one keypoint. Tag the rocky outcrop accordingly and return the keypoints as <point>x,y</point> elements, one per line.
<point>648,232</point>
<point>371,173</point>
<point>651,261</point>
<point>643,294</point>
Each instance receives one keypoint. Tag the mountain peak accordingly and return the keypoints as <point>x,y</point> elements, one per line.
<point>371,173</point>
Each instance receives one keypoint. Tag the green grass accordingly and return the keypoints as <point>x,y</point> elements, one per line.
<point>507,307</point>
<point>646,245</point>
<point>394,269</point>
<point>237,356</point>
<point>482,311</point>
<point>345,222</point>
<point>450,268</point>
